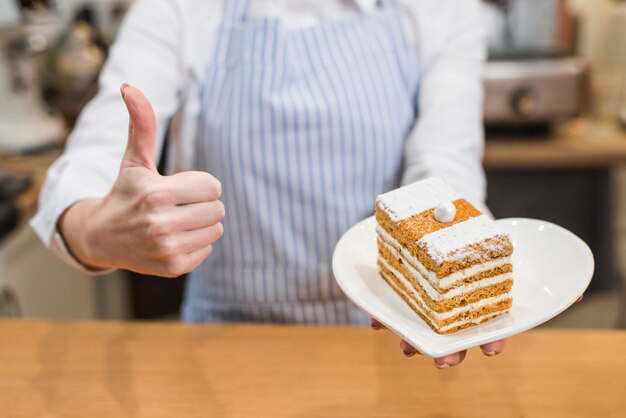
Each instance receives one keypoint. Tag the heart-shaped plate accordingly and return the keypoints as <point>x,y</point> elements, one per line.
<point>552,267</point>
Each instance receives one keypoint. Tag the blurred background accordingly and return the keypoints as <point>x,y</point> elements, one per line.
<point>555,117</point>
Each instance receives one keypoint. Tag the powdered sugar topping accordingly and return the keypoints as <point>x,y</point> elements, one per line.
<point>449,244</point>
<point>416,197</point>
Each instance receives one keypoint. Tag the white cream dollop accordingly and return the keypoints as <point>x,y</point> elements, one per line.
<point>445,212</point>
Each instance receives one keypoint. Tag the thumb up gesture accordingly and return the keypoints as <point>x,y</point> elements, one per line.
<point>148,223</point>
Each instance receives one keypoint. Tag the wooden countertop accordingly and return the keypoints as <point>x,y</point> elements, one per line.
<point>88,369</point>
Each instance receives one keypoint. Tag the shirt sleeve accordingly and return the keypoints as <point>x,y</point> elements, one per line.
<point>447,139</point>
<point>146,54</point>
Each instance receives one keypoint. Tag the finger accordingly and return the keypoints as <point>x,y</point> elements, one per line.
<point>408,349</point>
<point>141,130</point>
<point>197,257</point>
<point>194,187</point>
<point>191,241</point>
<point>195,215</point>
<point>580,298</point>
<point>493,348</point>
<point>376,325</point>
<point>184,265</point>
<point>450,360</point>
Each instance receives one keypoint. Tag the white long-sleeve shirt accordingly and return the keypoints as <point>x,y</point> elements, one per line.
<point>164,46</point>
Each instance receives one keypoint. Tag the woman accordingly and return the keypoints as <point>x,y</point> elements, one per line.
<point>302,111</point>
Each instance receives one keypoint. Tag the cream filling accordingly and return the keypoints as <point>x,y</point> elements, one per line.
<point>452,325</point>
<point>433,293</point>
<point>443,315</point>
<point>451,279</point>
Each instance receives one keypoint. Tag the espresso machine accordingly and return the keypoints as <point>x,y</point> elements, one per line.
<point>532,78</point>
<point>26,124</point>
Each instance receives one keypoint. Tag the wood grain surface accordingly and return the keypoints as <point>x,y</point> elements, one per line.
<point>89,369</point>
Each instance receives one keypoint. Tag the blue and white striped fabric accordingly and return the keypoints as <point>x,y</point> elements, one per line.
<point>304,129</point>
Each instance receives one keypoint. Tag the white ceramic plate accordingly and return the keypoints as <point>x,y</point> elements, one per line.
<point>551,267</point>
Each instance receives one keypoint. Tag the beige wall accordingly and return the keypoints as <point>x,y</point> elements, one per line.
<point>602,34</point>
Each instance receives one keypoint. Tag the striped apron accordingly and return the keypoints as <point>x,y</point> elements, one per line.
<point>304,129</point>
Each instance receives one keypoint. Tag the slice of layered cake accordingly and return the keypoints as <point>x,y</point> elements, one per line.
<point>445,258</point>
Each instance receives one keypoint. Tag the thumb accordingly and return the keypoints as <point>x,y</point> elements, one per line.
<point>141,129</point>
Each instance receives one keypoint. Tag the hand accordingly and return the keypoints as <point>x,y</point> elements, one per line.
<point>148,223</point>
<point>490,350</point>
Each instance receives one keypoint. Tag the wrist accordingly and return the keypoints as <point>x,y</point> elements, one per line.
<point>78,227</point>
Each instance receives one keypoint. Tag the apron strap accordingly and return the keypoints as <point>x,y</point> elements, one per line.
<point>236,10</point>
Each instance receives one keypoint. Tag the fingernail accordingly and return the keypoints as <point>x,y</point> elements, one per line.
<point>441,364</point>
<point>123,87</point>
<point>408,353</point>
<point>490,353</point>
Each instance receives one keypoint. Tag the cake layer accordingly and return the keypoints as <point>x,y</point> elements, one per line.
<point>487,288</point>
<point>448,307</point>
<point>458,278</point>
<point>429,249</point>
<point>452,324</point>
<point>450,327</point>
<point>424,223</point>
<point>487,278</point>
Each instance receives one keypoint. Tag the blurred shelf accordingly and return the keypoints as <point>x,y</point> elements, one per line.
<point>577,145</point>
<point>34,166</point>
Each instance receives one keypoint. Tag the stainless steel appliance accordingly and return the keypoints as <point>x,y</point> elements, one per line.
<point>75,61</point>
<point>535,92</point>
<point>78,51</point>
<point>25,121</point>
<point>532,76</point>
